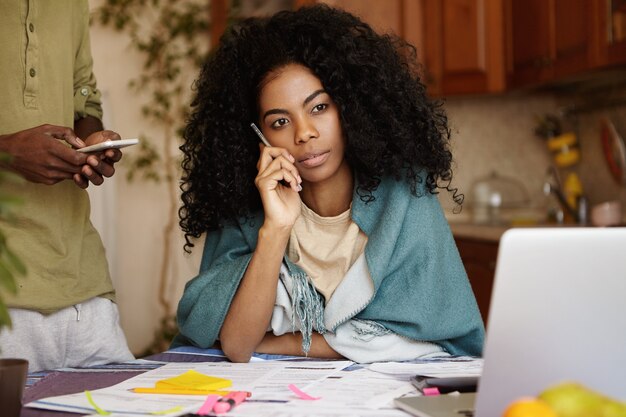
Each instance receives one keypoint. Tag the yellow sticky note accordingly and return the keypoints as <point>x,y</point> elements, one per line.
<point>193,380</point>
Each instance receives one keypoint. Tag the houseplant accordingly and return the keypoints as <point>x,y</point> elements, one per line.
<point>12,371</point>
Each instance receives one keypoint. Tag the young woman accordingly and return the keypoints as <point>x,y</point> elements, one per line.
<point>331,241</point>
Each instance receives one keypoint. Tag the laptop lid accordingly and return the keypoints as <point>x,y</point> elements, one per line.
<point>558,312</point>
<point>438,406</point>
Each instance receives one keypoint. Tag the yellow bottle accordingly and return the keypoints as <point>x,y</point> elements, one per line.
<point>573,190</point>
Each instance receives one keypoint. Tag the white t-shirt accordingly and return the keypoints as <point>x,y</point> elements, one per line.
<point>325,247</point>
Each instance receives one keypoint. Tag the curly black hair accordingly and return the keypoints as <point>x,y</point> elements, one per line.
<point>391,127</point>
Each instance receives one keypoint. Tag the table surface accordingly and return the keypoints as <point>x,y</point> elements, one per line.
<point>64,382</point>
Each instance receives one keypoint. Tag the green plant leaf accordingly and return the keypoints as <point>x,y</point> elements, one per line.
<point>5,319</point>
<point>7,281</point>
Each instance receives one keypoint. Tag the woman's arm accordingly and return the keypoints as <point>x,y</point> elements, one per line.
<point>251,310</point>
<point>291,344</point>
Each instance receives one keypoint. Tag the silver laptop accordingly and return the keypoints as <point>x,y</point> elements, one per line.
<point>558,312</point>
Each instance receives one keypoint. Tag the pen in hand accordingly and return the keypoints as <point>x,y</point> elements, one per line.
<point>260,135</point>
<point>266,143</point>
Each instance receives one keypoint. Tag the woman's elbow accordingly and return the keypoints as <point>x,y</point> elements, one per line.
<point>234,351</point>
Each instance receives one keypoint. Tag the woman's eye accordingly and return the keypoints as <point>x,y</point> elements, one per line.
<point>319,108</point>
<point>279,123</point>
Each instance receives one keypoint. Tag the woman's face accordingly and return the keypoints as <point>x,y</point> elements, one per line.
<point>298,115</point>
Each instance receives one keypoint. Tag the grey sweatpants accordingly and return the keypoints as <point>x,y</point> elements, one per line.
<point>85,334</point>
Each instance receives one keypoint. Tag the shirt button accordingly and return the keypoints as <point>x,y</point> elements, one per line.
<point>84,91</point>
<point>32,72</point>
<point>31,27</point>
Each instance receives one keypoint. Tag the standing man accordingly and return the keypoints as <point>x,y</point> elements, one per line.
<point>64,313</point>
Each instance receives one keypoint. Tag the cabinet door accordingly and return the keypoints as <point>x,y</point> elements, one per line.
<point>529,33</point>
<point>464,45</point>
<point>479,259</point>
<point>404,18</point>
<point>459,42</point>
<point>383,16</point>
<point>572,37</point>
<point>548,39</point>
<point>611,31</point>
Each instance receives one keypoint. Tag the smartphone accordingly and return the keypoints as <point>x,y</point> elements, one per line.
<point>109,144</point>
<point>446,384</point>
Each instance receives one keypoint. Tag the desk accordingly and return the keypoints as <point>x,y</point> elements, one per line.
<point>343,388</point>
<point>67,382</point>
<point>61,383</point>
<point>74,381</point>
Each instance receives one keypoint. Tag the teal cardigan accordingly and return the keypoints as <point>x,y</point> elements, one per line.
<point>421,290</point>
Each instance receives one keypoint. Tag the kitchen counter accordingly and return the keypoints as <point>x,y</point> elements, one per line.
<point>493,233</point>
<point>463,226</point>
<point>478,231</point>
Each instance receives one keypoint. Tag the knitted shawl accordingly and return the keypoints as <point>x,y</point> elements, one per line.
<point>419,288</point>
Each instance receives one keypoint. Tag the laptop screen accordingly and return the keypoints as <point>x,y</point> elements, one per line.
<point>558,312</point>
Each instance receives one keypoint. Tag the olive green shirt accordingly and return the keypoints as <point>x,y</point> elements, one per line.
<point>46,77</point>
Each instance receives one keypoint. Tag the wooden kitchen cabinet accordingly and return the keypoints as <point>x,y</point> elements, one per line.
<point>479,258</point>
<point>459,42</point>
<point>492,46</point>
<point>548,40</point>
<point>404,18</point>
<point>464,48</point>
<point>610,32</point>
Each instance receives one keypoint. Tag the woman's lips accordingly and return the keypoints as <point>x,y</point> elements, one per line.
<point>312,160</point>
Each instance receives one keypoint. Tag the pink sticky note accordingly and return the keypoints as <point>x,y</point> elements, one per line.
<point>207,407</point>
<point>301,394</point>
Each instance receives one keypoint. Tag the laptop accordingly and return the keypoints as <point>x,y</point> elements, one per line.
<point>558,312</point>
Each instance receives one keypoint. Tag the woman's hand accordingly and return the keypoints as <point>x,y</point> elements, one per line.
<point>278,183</point>
<point>291,344</point>
<point>251,310</point>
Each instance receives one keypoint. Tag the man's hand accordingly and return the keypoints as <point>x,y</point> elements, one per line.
<point>38,155</point>
<point>98,165</point>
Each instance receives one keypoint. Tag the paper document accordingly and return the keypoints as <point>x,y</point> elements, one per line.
<point>439,368</point>
<point>267,381</point>
<point>339,388</point>
<point>360,392</point>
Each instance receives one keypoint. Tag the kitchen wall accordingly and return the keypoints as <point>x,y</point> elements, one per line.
<point>495,133</point>
<point>595,175</point>
<point>134,232</point>
<point>492,133</point>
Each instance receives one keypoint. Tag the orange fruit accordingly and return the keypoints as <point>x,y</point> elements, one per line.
<point>529,407</point>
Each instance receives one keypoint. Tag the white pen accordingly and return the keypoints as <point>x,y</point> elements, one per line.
<point>265,141</point>
<point>260,134</point>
